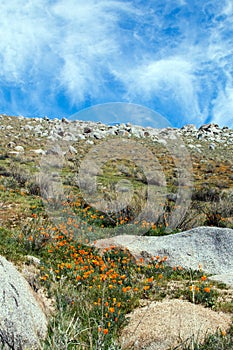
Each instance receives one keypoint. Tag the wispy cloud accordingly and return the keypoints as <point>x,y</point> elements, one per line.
<point>169,80</point>
<point>223,108</point>
<point>59,56</point>
<point>89,43</point>
<point>64,46</point>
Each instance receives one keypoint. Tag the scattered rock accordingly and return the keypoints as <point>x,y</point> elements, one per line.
<point>87,130</point>
<point>11,144</point>
<point>72,150</point>
<point>33,259</point>
<point>98,135</point>
<point>19,149</point>
<point>90,142</point>
<point>64,120</point>
<point>39,151</point>
<point>71,131</point>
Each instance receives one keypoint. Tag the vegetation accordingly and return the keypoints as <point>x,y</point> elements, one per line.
<point>94,291</point>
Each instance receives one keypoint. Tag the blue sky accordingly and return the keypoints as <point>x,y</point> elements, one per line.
<point>174,56</point>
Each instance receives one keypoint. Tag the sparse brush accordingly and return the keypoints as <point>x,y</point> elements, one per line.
<point>220,340</point>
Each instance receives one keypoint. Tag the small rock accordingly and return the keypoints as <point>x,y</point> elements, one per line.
<point>87,130</point>
<point>72,150</point>
<point>19,149</point>
<point>90,142</point>
<point>39,151</point>
<point>33,259</point>
<point>11,144</point>
<point>162,141</point>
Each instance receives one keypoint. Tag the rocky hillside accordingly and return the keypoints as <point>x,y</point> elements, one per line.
<point>191,162</point>
<point>66,186</point>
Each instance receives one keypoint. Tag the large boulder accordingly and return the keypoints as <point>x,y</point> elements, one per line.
<point>22,321</point>
<point>210,247</point>
<point>164,325</point>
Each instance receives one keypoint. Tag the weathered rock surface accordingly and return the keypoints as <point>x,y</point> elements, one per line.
<point>210,247</point>
<point>164,325</point>
<point>22,322</point>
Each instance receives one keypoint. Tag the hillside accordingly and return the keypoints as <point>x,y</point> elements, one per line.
<point>67,186</point>
<point>202,165</point>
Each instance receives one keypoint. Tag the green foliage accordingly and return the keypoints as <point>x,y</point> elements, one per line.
<point>217,341</point>
<point>9,248</point>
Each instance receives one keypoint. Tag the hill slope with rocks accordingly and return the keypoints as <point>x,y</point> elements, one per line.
<point>117,219</point>
<point>208,151</point>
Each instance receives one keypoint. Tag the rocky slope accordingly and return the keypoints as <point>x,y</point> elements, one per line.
<point>200,159</point>
<point>190,164</point>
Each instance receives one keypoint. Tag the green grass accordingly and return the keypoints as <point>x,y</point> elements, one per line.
<point>9,248</point>
<point>217,341</point>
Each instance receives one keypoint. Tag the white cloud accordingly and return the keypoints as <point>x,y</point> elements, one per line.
<point>67,45</point>
<point>228,9</point>
<point>89,41</point>
<point>24,32</point>
<point>172,80</point>
<point>223,108</point>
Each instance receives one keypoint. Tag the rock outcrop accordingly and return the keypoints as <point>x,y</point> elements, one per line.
<point>22,322</point>
<point>164,325</point>
<point>210,247</point>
